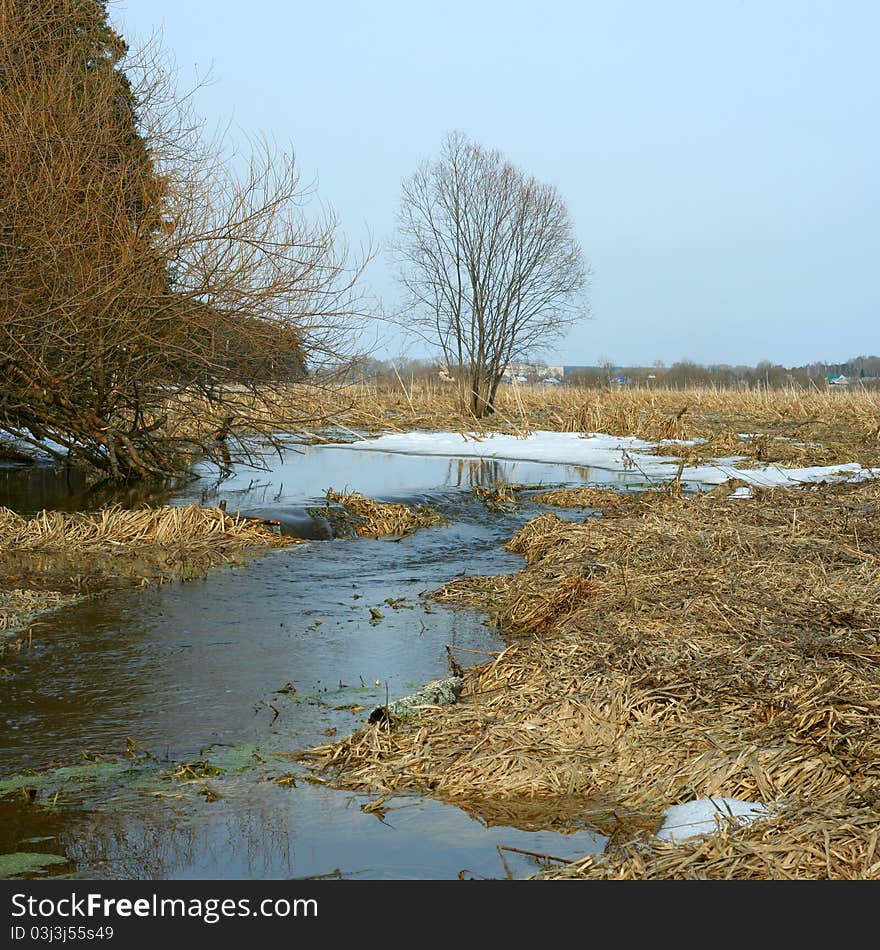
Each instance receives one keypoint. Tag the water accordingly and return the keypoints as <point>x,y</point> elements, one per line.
<point>203,671</point>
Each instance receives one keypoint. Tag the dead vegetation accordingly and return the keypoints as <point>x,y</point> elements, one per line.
<point>368,518</point>
<point>580,498</point>
<point>189,529</point>
<point>790,427</point>
<point>676,648</point>
<point>58,555</point>
<point>17,605</point>
<point>500,497</point>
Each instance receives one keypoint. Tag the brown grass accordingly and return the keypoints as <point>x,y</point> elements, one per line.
<point>369,518</point>
<point>120,530</point>
<point>18,606</point>
<point>678,647</point>
<point>499,497</point>
<point>792,427</point>
<point>802,427</point>
<point>60,555</point>
<point>580,498</point>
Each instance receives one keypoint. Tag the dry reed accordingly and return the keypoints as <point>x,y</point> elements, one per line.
<point>190,528</point>
<point>802,427</point>
<point>60,555</point>
<point>676,648</point>
<point>499,497</point>
<point>580,498</point>
<point>18,606</point>
<point>369,518</point>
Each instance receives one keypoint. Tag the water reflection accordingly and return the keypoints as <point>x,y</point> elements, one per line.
<point>471,473</point>
<point>60,488</point>
<point>308,832</point>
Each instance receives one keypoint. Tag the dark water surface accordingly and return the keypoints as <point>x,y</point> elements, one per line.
<point>258,659</point>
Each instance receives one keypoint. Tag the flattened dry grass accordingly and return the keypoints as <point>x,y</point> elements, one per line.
<point>18,605</point>
<point>676,648</point>
<point>580,498</point>
<point>61,554</point>
<point>369,518</point>
<point>759,449</point>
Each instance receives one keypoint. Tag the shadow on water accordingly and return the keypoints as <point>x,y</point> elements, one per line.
<point>58,488</point>
<point>254,661</point>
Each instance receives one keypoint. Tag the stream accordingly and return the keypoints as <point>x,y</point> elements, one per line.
<point>216,681</point>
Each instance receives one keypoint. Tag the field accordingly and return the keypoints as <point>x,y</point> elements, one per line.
<point>821,426</point>
<point>662,646</point>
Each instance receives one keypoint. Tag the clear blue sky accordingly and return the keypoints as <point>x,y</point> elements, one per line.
<point>721,160</point>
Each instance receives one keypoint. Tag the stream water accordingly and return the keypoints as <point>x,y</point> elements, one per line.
<point>215,680</point>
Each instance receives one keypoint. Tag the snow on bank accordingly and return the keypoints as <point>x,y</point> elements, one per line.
<point>39,453</point>
<point>706,816</point>
<point>599,451</point>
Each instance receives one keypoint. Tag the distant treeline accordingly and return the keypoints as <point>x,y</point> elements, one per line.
<point>862,370</point>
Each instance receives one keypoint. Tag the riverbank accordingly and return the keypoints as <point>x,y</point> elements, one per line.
<point>677,648</point>
<point>55,558</point>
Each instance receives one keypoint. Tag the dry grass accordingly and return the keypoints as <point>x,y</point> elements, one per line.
<point>60,555</point>
<point>580,498</point>
<point>18,606</point>
<point>787,426</point>
<point>120,530</point>
<point>791,427</point>
<point>369,518</point>
<point>674,649</point>
<point>499,497</point>
<point>762,449</point>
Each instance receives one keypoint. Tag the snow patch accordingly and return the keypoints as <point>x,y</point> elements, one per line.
<point>707,816</point>
<point>601,451</point>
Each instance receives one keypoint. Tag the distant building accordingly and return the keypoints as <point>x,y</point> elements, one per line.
<point>837,379</point>
<point>532,373</point>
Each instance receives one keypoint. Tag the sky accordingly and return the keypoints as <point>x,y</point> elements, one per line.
<point>719,160</point>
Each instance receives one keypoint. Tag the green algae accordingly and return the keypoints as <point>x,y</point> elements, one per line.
<point>22,863</point>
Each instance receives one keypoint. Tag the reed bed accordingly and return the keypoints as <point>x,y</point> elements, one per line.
<point>787,426</point>
<point>793,426</point>
<point>763,449</point>
<point>61,555</point>
<point>368,518</point>
<point>580,498</point>
<point>679,647</point>
<point>189,528</point>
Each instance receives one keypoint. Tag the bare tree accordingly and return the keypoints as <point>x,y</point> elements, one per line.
<point>154,304</point>
<point>490,263</point>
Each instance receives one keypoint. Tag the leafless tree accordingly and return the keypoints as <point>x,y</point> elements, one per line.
<point>490,264</point>
<point>155,304</point>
